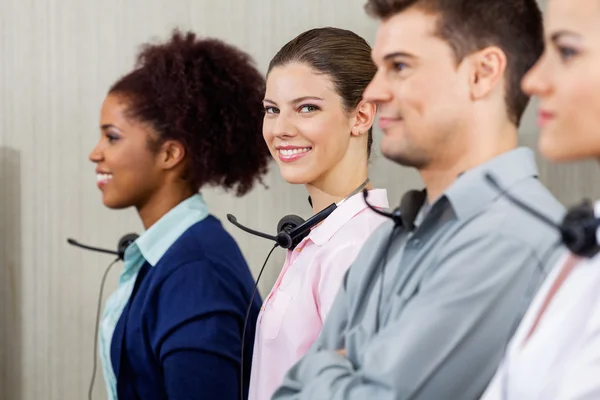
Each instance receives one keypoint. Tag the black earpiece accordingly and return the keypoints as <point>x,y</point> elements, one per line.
<point>291,229</point>
<point>577,229</point>
<point>124,242</point>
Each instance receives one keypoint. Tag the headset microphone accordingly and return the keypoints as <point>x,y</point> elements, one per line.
<point>577,229</point>
<point>291,228</point>
<point>124,242</point>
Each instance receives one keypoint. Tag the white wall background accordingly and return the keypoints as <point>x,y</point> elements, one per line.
<point>57,59</point>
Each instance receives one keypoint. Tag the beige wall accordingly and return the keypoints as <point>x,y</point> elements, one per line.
<point>57,59</point>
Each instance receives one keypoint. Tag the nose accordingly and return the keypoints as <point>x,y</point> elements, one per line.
<point>536,81</point>
<point>96,154</point>
<point>377,91</point>
<point>283,126</point>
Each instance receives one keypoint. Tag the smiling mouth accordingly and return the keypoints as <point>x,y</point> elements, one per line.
<point>290,155</point>
<point>102,179</point>
<point>291,152</point>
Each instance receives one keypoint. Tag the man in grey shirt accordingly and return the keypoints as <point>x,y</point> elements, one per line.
<point>427,308</point>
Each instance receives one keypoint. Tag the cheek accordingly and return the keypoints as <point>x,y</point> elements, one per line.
<point>575,131</point>
<point>329,136</point>
<point>267,132</point>
<point>315,131</point>
<point>133,169</point>
<point>428,102</point>
<point>427,93</point>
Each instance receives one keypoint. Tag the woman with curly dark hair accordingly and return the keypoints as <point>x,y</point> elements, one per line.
<point>189,115</point>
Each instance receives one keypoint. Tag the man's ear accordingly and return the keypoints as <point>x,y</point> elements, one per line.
<point>489,66</point>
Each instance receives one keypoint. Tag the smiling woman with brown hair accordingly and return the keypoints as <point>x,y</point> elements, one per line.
<point>188,116</point>
<point>319,131</point>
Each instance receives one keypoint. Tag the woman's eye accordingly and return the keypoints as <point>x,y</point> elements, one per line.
<point>399,66</point>
<point>308,108</point>
<point>566,53</point>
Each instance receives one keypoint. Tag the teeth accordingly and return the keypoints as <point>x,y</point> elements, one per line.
<point>291,152</point>
<point>103,177</point>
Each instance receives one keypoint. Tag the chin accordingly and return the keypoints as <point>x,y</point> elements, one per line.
<point>553,149</point>
<point>404,158</point>
<point>296,177</point>
<point>565,153</point>
<point>114,204</point>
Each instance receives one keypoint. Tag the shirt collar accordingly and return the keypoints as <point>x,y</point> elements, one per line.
<point>344,213</point>
<point>154,243</point>
<point>471,191</point>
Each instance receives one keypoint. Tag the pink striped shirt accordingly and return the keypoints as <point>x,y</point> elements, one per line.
<point>293,313</point>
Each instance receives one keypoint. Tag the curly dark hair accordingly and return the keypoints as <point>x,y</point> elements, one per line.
<point>207,95</point>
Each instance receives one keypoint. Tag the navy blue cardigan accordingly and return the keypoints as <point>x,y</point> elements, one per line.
<point>179,336</point>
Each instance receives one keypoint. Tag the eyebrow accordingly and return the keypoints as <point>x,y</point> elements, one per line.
<point>297,100</point>
<point>398,54</point>
<point>559,34</point>
<point>107,126</point>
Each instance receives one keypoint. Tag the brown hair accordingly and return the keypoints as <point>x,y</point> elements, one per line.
<point>515,26</point>
<point>207,95</point>
<point>339,53</point>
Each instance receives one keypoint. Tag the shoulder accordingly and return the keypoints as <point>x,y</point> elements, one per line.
<point>205,252</point>
<point>356,231</point>
<point>205,241</point>
<point>504,222</point>
<point>343,246</point>
<point>369,250</point>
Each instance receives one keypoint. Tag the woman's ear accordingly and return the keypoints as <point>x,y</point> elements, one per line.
<point>364,118</point>
<point>172,154</point>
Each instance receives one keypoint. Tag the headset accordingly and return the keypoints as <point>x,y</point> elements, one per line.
<point>124,242</point>
<point>577,229</point>
<point>403,216</point>
<point>291,230</point>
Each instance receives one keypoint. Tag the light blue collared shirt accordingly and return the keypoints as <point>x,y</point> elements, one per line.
<point>149,247</point>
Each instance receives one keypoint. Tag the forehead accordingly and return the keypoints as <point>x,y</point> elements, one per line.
<point>409,31</point>
<point>114,107</point>
<point>580,16</point>
<point>115,111</point>
<point>295,80</point>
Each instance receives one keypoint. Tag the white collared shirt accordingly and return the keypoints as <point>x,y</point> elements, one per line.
<point>561,359</point>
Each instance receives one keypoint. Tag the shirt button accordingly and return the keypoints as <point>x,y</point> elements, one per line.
<point>416,243</point>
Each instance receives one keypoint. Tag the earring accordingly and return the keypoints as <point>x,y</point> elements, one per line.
<point>360,132</point>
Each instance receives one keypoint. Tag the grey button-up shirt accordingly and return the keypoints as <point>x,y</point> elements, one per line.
<point>454,291</point>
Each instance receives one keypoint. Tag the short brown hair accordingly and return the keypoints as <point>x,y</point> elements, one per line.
<point>515,26</point>
<point>207,95</point>
<point>338,53</point>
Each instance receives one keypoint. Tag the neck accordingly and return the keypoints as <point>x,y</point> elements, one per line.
<point>323,194</point>
<point>480,148</point>
<point>161,203</point>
